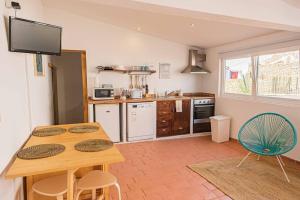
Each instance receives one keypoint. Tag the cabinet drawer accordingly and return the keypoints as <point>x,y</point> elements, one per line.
<point>178,130</point>
<point>164,106</point>
<point>163,123</point>
<point>163,112</point>
<point>161,132</point>
<point>164,116</point>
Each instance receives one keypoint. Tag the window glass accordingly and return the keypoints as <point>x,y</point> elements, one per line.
<point>238,76</point>
<point>279,75</point>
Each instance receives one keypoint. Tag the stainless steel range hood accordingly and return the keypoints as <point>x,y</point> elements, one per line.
<point>196,63</point>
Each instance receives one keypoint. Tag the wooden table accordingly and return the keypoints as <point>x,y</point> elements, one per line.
<point>69,161</point>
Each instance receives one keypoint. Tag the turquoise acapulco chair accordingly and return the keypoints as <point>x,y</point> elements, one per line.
<point>268,134</point>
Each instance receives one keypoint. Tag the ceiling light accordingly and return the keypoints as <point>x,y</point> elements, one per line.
<point>138,28</point>
<point>192,25</point>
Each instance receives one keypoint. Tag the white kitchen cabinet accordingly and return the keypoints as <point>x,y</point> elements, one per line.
<point>108,115</point>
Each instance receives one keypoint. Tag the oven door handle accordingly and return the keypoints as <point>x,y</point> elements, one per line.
<point>204,106</point>
<point>199,121</point>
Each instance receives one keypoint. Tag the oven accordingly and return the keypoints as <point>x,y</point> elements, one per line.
<point>203,110</point>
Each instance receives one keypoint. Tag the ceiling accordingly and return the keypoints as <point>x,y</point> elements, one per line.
<point>178,28</point>
<point>295,3</point>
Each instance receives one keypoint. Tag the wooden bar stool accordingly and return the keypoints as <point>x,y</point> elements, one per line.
<point>94,180</point>
<point>55,186</point>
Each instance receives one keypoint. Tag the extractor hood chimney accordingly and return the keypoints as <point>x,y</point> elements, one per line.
<point>196,63</point>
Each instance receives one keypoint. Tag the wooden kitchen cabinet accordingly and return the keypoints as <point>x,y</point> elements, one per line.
<point>170,122</point>
<point>181,120</point>
<point>164,118</point>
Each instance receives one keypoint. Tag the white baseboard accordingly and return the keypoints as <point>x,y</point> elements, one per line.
<point>171,137</point>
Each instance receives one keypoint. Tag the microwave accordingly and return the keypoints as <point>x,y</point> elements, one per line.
<point>103,93</point>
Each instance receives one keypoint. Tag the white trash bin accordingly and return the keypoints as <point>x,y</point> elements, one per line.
<point>220,126</point>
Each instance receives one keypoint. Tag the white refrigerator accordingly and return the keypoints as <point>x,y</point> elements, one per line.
<point>108,115</point>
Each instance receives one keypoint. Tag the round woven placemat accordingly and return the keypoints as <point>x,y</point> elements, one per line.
<point>83,129</point>
<point>44,132</point>
<point>93,145</point>
<point>40,151</point>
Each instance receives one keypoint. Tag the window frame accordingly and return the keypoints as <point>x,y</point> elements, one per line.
<point>254,93</point>
<point>223,77</point>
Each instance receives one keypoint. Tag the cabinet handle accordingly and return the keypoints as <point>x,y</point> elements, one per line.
<point>163,121</point>
<point>108,111</point>
<point>180,128</point>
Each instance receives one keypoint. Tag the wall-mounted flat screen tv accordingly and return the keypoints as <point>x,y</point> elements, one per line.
<point>34,37</point>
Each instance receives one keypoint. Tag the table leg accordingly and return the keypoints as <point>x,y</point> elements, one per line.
<point>105,168</point>
<point>70,193</point>
<point>29,183</point>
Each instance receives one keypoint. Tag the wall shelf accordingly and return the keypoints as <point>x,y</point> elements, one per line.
<point>127,71</point>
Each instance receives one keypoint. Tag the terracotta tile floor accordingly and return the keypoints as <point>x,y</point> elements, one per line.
<point>156,170</point>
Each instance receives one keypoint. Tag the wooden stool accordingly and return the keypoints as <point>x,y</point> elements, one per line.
<point>55,186</point>
<point>97,179</point>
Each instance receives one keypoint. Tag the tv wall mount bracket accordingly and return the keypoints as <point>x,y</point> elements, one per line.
<point>14,5</point>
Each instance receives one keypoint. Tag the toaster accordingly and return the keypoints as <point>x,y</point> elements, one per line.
<point>136,94</point>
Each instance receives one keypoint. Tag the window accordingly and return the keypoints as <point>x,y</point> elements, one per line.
<point>266,75</point>
<point>238,76</point>
<point>279,74</point>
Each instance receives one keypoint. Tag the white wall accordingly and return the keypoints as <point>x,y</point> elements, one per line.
<point>241,109</point>
<point>19,113</point>
<point>110,45</point>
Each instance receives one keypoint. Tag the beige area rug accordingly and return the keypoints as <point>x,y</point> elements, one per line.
<point>253,180</point>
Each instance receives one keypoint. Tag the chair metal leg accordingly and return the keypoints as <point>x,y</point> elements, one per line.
<point>243,159</point>
<point>281,160</point>
<point>258,156</point>
<point>119,190</point>
<point>287,178</point>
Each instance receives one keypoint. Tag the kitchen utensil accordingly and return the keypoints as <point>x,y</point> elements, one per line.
<point>131,83</point>
<point>143,81</point>
<point>136,81</point>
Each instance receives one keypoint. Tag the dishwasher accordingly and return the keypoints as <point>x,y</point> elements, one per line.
<point>141,121</point>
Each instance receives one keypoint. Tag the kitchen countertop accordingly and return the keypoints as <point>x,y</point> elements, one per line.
<point>147,99</point>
